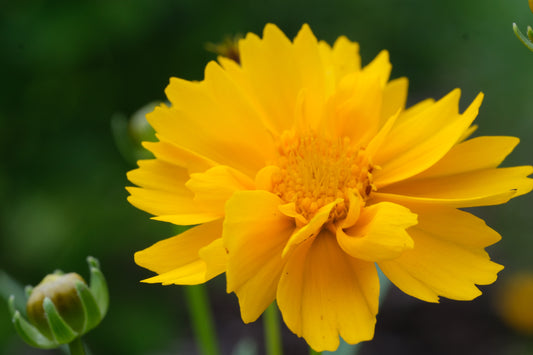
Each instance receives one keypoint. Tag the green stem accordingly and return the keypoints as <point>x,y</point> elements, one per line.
<point>76,347</point>
<point>202,319</point>
<point>312,352</point>
<point>272,330</point>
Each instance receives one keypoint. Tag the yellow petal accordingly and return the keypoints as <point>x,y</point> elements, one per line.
<point>263,178</point>
<point>474,154</point>
<point>162,189</point>
<point>354,110</point>
<point>476,188</point>
<point>417,143</point>
<point>215,186</point>
<point>324,293</point>
<point>289,210</point>
<point>380,68</point>
<point>193,273</point>
<point>177,259</point>
<point>215,257</point>
<point>312,228</point>
<point>310,64</point>
<point>202,121</point>
<point>169,207</point>
<point>345,56</point>
<point>448,258</point>
<point>379,234</point>
<point>272,71</point>
<point>173,154</point>
<point>159,175</point>
<point>457,226</point>
<point>255,232</point>
<point>188,219</point>
<point>466,134</point>
<point>394,98</point>
<point>339,61</point>
<point>356,204</point>
<point>240,115</point>
<point>380,137</point>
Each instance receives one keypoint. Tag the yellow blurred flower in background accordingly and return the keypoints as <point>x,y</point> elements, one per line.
<point>514,302</point>
<point>303,171</point>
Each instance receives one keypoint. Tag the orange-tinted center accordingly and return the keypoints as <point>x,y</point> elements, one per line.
<point>314,171</point>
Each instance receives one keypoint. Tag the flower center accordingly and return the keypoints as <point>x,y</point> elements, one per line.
<point>314,171</point>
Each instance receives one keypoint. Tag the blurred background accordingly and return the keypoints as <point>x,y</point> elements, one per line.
<point>68,67</point>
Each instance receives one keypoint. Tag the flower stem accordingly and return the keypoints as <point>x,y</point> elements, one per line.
<point>202,319</point>
<point>312,352</point>
<point>76,347</point>
<point>272,330</point>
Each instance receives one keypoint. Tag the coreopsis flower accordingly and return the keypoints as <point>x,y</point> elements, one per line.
<point>304,171</point>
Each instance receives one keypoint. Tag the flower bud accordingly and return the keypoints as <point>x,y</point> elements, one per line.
<point>140,129</point>
<point>61,290</point>
<point>62,308</point>
<point>130,133</point>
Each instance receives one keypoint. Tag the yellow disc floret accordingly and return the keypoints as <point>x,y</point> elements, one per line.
<point>314,171</point>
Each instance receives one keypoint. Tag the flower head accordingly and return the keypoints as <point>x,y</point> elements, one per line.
<point>304,170</point>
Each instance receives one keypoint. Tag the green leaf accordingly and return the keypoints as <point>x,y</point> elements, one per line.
<point>61,331</point>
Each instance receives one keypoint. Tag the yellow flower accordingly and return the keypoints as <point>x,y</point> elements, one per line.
<point>514,302</point>
<point>303,171</point>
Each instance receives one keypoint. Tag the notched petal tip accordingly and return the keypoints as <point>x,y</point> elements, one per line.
<point>305,34</point>
<point>324,293</point>
<point>271,31</point>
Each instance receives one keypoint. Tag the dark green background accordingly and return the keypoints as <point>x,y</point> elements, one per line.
<point>66,67</point>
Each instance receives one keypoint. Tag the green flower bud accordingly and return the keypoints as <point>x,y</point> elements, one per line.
<point>140,129</point>
<point>61,290</point>
<point>62,308</point>
<point>129,134</point>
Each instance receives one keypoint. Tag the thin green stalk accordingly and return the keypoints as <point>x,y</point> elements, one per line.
<point>202,319</point>
<point>76,347</point>
<point>312,352</point>
<point>272,330</point>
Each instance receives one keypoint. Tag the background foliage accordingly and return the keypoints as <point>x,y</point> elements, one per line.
<point>67,67</point>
